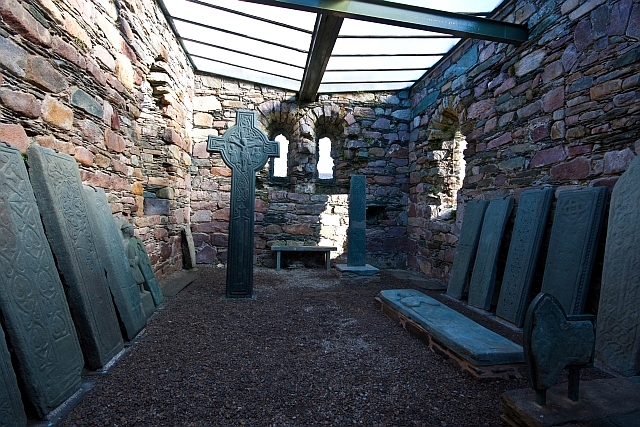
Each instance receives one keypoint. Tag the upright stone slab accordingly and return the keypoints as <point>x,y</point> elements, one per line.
<point>188,248</point>
<point>528,231</point>
<point>357,233</point>
<point>483,278</point>
<point>58,189</point>
<point>11,409</point>
<point>572,246</point>
<point>32,301</point>
<point>618,330</point>
<point>245,149</point>
<point>466,247</point>
<point>123,287</point>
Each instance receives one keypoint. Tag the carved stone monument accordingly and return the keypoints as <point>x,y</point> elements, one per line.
<point>552,341</point>
<point>140,265</point>
<point>618,334</point>
<point>121,282</point>
<point>32,301</point>
<point>245,149</point>
<point>357,233</point>
<point>528,231</point>
<point>483,278</point>
<point>58,189</point>
<point>572,246</point>
<point>11,409</point>
<point>466,247</point>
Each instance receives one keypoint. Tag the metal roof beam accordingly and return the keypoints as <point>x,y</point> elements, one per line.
<point>323,39</point>
<point>420,18</point>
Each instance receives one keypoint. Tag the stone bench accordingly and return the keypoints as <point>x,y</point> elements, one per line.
<point>479,351</point>
<point>326,249</point>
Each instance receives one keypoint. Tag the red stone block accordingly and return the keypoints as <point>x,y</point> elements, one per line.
<point>576,169</point>
<point>549,156</point>
<point>15,135</point>
<point>577,150</point>
<point>553,100</point>
<point>21,102</point>
<point>221,171</point>
<point>298,229</point>
<point>21,21</point>
<point>501,140</point>
<point>114,141</point>
<point>84,156</point>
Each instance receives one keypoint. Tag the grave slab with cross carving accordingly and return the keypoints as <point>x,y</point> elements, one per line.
<point>245,149</point>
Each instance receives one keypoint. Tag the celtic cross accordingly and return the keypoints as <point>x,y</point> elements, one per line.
<point>245,149</point>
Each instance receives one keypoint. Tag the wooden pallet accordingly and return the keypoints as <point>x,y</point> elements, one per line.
<point>507,371</point>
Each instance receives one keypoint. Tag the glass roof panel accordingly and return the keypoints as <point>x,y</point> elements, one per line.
<point>213,67</point>
<point>268,44</point>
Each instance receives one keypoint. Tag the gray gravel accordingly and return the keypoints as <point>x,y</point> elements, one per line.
<point>308,351</point>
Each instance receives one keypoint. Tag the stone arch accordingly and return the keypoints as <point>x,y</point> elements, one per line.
<point>276,117</point>
<point>445,159</point>
<point>319,122</point>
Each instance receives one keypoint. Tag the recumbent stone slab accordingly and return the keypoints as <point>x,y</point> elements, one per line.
<point>528,231</point>
<point>11,409</point>
<point>473,342</point>
<point>356,235</point>
<point>58,189</point>
<point>466,247</point>
<point>572,246</point>
<point>123,287</point>
<point>618,333</point>
<point>483,278</point>
<point>245,149</point>
<point>32,302</point>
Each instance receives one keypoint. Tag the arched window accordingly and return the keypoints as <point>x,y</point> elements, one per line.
<point>325,161</point>
<point>279,164</point>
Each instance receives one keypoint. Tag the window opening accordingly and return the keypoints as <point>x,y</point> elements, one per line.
<point>279,164</point>
<point>325,161</point>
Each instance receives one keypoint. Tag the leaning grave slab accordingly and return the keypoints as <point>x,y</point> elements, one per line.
<point>11,409</point>
<point>572,246</point>
<point>526,239</point>
<point>479,351</point>
<point>58,189</point>
<point>483,278</point>
<point>245,149</point>
<point>32,301</point>
<point>618,330</point>
<point>122,285</point>
<point>466,247</point>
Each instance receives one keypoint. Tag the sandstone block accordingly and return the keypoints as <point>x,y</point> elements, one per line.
<point>206,103</point>
<point>124,71</point>
<point>84,156</point>
<point>203,120</point>
<point>501,140</point>
<point>15,135</point>
<point>103,55</point>
<point>578,168</point>
<point>113,141</point>
<point>74,29</point>
<point>19,19</point>
<point>481,109</point>
<point>553,100</point>
<point>68,52</point>
<point>56,113</point>
<point>605,89</point>
<point>221,171</point>
<point>41,73</point>
<point>548,156</point>
<point>618,161</point>
<point>21,102</point>
<point>529,63</point>
<point>364,112</point>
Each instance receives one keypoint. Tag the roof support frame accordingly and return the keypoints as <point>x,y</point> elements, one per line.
<point>408,16</point>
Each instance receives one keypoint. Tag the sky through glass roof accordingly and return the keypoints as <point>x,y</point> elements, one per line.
<point>269,45</point>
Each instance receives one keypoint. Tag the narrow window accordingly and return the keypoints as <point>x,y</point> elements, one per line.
<point>279,164</point>
<point>325,161</point>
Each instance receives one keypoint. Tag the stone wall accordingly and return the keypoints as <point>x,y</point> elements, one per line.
<point>369,134</point>
<point>560,110</point>
<point>103,81</point>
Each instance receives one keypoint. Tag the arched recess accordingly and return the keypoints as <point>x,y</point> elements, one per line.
<point>325,122</point>
<point>279,118</point>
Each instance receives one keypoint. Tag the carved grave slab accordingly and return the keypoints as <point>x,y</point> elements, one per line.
<point>32,301</point>
<point>466,247</point>
<point>123,287</point>
<point>58,189</point>
<point>483,278</point>
<point>618,335</point>
<point>11,409</point>
<point>572,246</point>
<point>552,341</point>
<point>357,240</point>
<point>528,231</point>
<point>150,282</point>
<point>245,149</point>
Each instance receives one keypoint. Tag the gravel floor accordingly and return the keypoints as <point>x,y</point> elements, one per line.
<point>308,351</point>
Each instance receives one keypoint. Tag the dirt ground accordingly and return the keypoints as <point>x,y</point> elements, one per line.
<point>309,350</point>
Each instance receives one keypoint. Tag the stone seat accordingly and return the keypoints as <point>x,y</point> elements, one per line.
<point>292,248</point>
<point>478,350</point>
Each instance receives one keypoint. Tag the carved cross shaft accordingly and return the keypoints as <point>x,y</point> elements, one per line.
<point>245,149</point>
